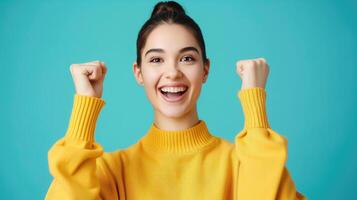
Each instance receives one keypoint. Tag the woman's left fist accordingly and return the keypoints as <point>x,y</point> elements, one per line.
<point>254,73</point>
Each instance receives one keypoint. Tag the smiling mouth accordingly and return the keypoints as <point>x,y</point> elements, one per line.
<point>173,96</point>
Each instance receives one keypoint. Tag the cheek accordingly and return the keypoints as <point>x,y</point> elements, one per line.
<point>150,82</point>
<point>195,76</point>
<point>150,77</point>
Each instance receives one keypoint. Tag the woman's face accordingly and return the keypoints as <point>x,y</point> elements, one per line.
<point>171,65</point>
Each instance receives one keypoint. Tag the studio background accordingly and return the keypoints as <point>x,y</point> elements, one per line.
<point>311,90</point>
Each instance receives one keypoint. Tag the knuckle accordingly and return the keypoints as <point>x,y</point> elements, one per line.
<point>98,69</point>
<point>241,62</point>
<point>72,68</point>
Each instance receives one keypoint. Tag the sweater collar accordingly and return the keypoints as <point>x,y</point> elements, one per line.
<point>179,141</point>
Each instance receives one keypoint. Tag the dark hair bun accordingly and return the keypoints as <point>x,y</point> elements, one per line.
<point>168,6</point>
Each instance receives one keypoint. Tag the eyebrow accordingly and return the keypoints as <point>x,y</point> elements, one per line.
<point>181,50</point>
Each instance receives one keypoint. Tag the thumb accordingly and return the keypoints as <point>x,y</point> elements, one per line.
<point>104,69</point>
<point>240,68</point>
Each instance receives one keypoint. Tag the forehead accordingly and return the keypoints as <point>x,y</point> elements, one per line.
<point>171,38</point>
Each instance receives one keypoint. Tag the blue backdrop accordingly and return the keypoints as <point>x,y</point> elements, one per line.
<point>311,91</point>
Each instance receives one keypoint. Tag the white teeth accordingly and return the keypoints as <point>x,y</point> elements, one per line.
<point>173,89</point>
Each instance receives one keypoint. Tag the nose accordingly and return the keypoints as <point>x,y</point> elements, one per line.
<point>172,71</point>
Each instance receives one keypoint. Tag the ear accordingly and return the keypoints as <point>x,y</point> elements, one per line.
<point>138,73</point>
<point>206,70</point>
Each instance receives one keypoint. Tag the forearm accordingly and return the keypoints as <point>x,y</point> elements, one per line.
<point>262,153</point>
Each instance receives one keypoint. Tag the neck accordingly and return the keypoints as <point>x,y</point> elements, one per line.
<point>192,139</point>
<point>186,121</point>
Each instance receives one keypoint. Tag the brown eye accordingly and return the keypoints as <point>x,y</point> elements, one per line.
<point>155,60</point>
<point>189,58</point>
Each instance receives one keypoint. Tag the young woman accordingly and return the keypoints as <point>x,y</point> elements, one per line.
<point>178,157</point>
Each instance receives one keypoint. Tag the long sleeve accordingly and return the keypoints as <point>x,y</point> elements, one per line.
<point>75,161</point>
<point>262,154</point>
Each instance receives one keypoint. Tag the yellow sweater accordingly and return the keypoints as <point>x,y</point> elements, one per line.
<point>186,164</point>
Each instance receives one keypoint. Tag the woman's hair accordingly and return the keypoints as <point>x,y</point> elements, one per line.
<point>169,12</point>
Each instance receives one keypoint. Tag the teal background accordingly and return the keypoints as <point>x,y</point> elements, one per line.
<point>311,91</point>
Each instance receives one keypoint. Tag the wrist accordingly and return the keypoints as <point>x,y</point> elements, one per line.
<point>253,102</point>
<point>83,120</point>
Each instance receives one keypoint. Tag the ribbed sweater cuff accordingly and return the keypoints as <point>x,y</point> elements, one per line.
<point>83,120</point>
<point>253,101</point>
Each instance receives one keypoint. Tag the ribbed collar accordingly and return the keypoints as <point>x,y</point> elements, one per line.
<point>180,141</point>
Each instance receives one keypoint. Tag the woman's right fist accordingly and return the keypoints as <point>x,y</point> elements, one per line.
<point>88,78</point>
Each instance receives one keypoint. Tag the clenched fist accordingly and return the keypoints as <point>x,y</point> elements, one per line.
<point>88,78</point>
<point>254,73</point>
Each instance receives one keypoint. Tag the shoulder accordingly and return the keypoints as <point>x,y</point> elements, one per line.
<point>221,145</point>
<point>119,156</point>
